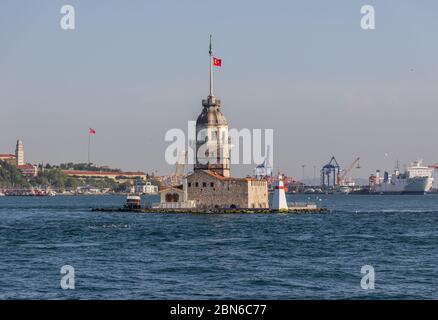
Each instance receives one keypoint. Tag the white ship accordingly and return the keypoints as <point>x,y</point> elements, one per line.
<point>417,179</point>
<point>344,190</point>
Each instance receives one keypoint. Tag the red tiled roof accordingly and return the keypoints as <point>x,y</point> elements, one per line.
<point>26,166</point>
<point>215,174</point>
<point>7,156</point>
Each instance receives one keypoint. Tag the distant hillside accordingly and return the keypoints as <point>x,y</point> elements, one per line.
<point>54,177</point>
<point>84,167</point>
<point>11,177</point>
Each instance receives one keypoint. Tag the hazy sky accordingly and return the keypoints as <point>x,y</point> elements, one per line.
<point>134,69</point>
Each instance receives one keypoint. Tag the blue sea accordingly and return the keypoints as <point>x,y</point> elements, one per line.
<point>192,256</point>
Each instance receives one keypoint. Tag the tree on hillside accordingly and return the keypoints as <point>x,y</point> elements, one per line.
<point>11,177</point>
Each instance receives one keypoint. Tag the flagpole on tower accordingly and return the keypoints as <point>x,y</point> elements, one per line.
<point>211,68</point>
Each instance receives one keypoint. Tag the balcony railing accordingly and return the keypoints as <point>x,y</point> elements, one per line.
<point>189,204</point>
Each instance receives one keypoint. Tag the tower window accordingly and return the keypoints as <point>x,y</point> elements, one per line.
<point>204,184</point>
<point>197,184</point>
<point>212,184</point>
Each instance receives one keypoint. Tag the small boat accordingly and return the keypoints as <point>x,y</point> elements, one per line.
<point>133,202</point>
<point>2,194</point>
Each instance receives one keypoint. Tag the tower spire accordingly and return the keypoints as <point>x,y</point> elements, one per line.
<point>211,68</point>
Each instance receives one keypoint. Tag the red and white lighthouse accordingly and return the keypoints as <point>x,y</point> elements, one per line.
<point>279,199</point>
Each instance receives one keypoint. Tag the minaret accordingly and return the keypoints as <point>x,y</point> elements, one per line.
<point>212,139</point>
<point>19,153</point>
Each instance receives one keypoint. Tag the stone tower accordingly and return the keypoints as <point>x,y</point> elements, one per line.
<point>19,153</point>
<point>212,139</point>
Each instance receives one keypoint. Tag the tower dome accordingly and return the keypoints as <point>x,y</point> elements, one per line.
<point>211,113</point>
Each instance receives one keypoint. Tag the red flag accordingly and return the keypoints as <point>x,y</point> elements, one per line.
<point>91,131</point>
<point>217,62</point>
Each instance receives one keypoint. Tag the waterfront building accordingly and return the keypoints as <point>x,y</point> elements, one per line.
<point>213,190</point>
<point>174,198</point>
<point>9,158</point>
<point>145,188</point>
<point>28,170</point>
<point>17,159</point>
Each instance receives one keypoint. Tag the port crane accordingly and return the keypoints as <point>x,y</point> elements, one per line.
<point>264,170</point>
<point>330,173</point>
<point>343,174</point>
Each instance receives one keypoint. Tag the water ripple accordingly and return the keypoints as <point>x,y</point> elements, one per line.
<point>154,256</point>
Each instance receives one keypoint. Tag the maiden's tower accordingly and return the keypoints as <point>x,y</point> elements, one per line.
<point>211,185</point>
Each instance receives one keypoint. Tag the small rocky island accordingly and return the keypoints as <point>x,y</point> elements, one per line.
<point>279,205</point>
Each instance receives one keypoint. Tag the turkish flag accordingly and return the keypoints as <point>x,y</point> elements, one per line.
<point>217,62</point>
<point>91,131</point>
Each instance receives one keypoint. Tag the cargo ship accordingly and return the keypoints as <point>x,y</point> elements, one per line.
<point>417,179</point>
